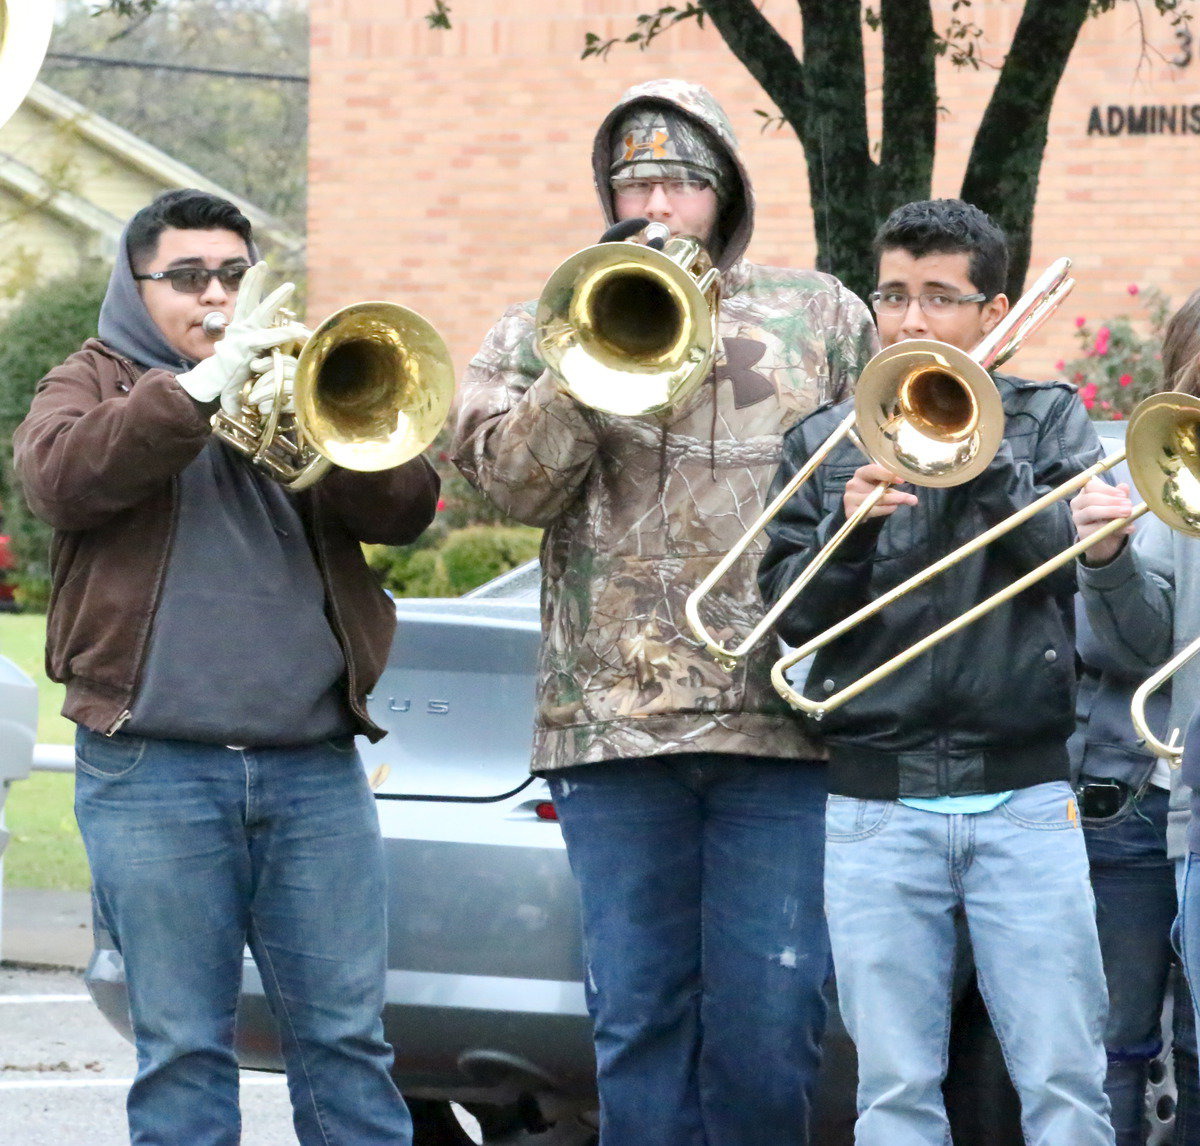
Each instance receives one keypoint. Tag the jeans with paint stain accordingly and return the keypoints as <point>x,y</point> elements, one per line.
<point>700,877</point>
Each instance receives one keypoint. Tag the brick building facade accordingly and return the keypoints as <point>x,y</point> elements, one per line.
<point>450,170</point>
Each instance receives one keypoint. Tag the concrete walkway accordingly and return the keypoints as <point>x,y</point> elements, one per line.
<point>46,928</point>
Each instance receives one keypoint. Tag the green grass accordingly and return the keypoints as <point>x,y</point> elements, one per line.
<point>45,850</point>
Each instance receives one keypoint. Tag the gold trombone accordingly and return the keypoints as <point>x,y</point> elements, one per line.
<point>629,329</point>
<point>1168,479</point>
<point>925,410</point>
<point>1161,444</point>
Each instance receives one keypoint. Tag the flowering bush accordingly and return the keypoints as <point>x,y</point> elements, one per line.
<point>1117,366</point>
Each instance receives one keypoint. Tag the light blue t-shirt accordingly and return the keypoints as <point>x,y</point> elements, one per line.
<point>957,805</point>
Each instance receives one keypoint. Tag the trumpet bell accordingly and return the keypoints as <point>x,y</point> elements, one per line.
<point>929,413</point>
<point>628,329</point>
<point>1163,447</point>
<point>373,386</point>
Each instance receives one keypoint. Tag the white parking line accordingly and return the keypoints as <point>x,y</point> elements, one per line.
<point>100,1083</point>
<point>45,999</point>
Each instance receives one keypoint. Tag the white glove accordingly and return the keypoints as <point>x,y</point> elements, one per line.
<point>249,333</point>
<point>262,393</point>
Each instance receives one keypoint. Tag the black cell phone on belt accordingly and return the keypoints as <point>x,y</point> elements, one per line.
<point>1100,799</point>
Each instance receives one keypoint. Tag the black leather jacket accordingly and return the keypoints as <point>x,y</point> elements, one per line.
<point>991,707</point>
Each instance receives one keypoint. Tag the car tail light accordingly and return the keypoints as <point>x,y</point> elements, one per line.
<point>545,810</point>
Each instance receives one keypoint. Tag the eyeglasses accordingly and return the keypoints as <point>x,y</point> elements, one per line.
<point>195,280</point>
<point>936,304</point>
<point>642,189</point>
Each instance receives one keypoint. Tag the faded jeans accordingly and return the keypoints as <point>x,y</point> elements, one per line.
<point>1135,908</point>
<point>706,947</point>
<point>895,878</point>
<point>196,850</point>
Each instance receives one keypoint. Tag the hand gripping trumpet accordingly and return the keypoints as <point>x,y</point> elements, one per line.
<point>925,410</point>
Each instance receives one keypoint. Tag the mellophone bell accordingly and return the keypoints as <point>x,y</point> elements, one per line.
<point>373,386</point>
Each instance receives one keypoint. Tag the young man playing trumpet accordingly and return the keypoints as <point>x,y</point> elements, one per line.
<point>217,637</point>
<point>948,780</point>
<point>690,802</point>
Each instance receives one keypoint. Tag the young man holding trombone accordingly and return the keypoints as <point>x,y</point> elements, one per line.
<point>948,779</point>
<point>690,801</point>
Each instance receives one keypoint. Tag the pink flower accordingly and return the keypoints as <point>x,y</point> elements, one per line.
<point>1117,415</point>
<point>1125,379</point>
<point>1088,394</point>
<point>1078,377</point>
<point>1079,322</point>
<point>1102,337</point>
<point>1132,288</point>
<point>1060,366</point>
<point>1105,406</point>
<point>441,504</point>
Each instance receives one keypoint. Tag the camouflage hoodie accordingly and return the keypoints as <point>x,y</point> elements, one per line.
<point>638,509</point>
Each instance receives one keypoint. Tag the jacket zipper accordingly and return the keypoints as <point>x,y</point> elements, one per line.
<point>338,628</point>
<point>140,663</point>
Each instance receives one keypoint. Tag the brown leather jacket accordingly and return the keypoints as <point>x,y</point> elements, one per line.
<point>98,456</point>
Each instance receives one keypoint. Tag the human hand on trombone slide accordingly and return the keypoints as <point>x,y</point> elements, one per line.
<point>866,481</point>
<point>1093,507</point>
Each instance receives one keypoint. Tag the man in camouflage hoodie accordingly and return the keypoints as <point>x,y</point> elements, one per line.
<point>690,799</point>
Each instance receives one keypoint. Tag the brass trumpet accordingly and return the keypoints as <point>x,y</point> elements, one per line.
<point>629,329</point>
<point>373,386</point>
<point>925,410</point>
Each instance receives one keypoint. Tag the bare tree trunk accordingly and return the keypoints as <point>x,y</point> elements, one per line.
<point>1006,159</point>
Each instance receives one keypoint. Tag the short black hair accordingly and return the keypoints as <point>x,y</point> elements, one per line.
<point>948,227</point>
<point>189,210</point>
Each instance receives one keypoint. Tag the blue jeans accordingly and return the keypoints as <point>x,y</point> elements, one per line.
<point>895,879</point>
<point>1135,908</point>
<point>700,877</point>
<point>196,850</point>
<point>1188,928</point>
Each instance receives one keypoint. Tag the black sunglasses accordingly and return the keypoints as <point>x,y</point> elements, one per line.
<point>195,280</point>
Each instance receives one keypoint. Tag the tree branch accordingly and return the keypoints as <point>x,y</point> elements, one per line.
<point>765,54</point>
<point>1006,159</point>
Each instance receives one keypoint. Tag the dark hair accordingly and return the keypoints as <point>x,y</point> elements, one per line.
<point>187,209</point>
<point>1181,348</point>
<point>948,227</point>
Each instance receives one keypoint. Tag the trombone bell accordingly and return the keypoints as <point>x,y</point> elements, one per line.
<point>928,412</point>
<point>1164,458</point>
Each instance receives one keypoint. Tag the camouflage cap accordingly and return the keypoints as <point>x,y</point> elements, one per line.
<point>656,141</point>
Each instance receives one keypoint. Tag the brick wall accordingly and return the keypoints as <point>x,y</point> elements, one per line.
<point>450,171</point>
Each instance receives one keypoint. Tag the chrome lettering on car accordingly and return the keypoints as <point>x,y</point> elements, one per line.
<point>432,707</point>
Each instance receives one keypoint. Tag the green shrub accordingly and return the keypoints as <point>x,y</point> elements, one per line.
<point>476,554</point>
<point>47,326</point>
<point>450,563</point>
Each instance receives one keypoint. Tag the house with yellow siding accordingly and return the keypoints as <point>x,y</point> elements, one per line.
<point>69,179</point>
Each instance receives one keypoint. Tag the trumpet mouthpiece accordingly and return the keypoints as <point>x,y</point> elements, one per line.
<point>214,323</point>
<point>657,234</point>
